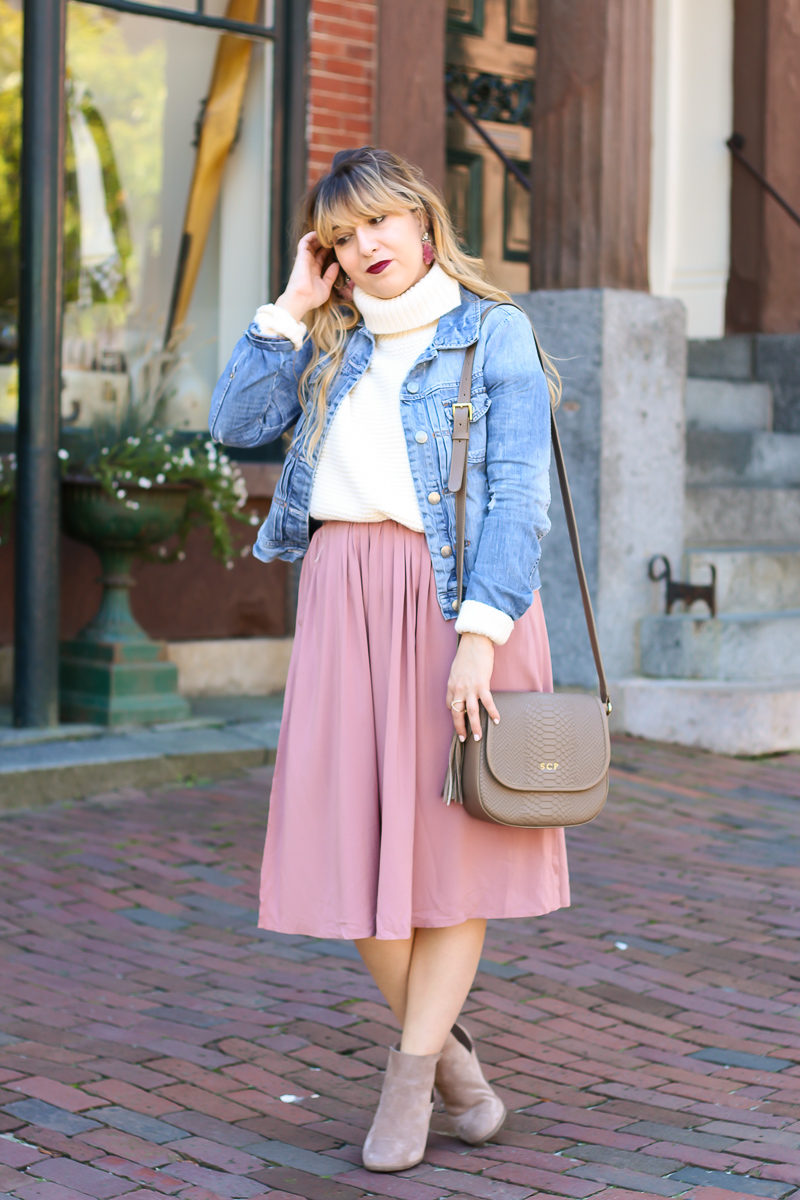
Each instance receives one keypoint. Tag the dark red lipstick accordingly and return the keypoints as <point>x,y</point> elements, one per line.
<point>376,268</point>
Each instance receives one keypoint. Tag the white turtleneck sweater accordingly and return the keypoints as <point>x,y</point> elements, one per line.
<point>363,472</point>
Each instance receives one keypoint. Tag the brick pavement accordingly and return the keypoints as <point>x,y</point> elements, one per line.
<point>153,1043</point>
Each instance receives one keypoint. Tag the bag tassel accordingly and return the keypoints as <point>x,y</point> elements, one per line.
<point>452,793</point>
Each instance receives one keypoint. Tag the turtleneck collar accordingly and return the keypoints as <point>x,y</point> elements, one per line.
<point>423,304</point>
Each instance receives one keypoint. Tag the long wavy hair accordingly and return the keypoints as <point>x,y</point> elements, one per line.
<point>361,184</point>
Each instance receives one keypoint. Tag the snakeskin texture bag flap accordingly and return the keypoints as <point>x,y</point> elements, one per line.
<point>546,763</point>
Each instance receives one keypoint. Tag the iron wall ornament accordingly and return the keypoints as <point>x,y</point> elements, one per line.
<point>679,592</point>
<point>492,98</point>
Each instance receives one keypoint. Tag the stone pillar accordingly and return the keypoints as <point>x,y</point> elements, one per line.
<point>764,283</point>
<point>622,359</point>
<point>591,144</point>
<point>410,117</point>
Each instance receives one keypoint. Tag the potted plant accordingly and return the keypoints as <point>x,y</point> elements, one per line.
<point>127,488</point>
<point>134,488</point>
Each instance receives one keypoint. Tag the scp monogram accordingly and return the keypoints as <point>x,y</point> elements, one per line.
<point>548,766</point>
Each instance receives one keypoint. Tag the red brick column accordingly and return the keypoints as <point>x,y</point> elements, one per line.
<point>342,78</point>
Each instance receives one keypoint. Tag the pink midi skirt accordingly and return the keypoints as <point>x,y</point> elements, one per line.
<point>359,842</point>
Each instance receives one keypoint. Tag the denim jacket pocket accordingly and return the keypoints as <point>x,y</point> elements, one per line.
<point>480,402</point>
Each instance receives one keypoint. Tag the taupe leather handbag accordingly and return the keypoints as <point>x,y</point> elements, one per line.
<point>546,763</point>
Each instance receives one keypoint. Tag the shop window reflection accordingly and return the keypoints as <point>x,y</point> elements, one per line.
<point>135,86</point>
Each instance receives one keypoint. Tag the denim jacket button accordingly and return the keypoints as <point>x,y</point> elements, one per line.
<point>446,551</point>
<point>433,497</point>
<point>413,388</point>
<point>421,436</point>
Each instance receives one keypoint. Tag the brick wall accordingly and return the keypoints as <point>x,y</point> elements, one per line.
<point>341,94</point>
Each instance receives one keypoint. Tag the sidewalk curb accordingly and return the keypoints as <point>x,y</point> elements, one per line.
<point>38,787</point>
<point>222,737</point>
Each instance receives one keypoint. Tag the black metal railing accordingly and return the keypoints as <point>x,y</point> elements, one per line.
<point>508,163</point>
<point>735,144</point>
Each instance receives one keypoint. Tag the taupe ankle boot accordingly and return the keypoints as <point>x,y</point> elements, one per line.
<point>399,1131</point>
<point>476,1111</point>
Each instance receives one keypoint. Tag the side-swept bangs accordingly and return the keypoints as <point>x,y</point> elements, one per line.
<point>357,195</point>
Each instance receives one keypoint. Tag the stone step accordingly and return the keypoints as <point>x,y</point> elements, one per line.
<point>734,646</point>
<point>726,718</point>
<point>728,405</point>
<point>721,358</point>
<point>749,578</point>
<point>759,516</point>
<point>717,456</point>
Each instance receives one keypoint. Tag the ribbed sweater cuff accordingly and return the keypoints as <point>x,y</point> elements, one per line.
<point>274,321</point>
<point>476,617</point>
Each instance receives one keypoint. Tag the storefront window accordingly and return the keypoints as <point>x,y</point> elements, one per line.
<point>135,92</point>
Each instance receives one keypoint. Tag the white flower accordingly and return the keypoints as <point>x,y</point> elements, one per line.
<point>145,483</point>
<point>131,503</point>
<point>254,519</point>
<point>240,490</point>
<point>181,555</point>
<point>121,493</point>
<point>127,475</point>
<point>161,478</point>
<point>229,565</point>
<point>133,441</point>
<point>63,454</point>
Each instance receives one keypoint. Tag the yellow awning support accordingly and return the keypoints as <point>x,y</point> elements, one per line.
<point>218,131</point>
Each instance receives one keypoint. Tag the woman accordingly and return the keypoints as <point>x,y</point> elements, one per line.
<point>359,844</point>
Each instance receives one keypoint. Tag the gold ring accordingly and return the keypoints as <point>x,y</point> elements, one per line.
<point>453,704</point>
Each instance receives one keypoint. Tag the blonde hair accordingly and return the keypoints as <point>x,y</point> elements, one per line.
<point>361,184</point>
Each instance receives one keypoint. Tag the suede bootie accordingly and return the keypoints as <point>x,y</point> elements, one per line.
<point>399,1131</point>
<point>475,1110</point>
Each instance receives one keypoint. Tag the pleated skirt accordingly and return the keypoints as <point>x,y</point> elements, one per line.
<point>359,842</point>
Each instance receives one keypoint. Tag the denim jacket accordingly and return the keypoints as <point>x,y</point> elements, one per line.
<point>508,485</point>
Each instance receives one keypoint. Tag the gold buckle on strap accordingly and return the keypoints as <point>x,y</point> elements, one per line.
<point>461,404</point>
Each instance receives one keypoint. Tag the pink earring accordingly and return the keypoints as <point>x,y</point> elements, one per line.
<point>428,253</point>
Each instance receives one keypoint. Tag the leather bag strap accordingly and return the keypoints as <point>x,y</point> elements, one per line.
<point>457,485</point>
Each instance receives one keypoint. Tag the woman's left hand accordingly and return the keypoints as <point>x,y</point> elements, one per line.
<point>470,679</point>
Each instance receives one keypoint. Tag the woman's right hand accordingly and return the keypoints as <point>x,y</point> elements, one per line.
<point>310,283</point>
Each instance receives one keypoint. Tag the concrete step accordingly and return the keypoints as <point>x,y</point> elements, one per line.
<point>721,358</point>
<point>225,735</point>
<point>726,457</point>
<point>728,405</point>
<point>726,718</point>
<point>749,578</point>
<point>734,646</point>
<point>760,516</point>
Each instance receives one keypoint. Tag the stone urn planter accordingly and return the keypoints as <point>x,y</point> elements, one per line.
<point>112,673</point>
